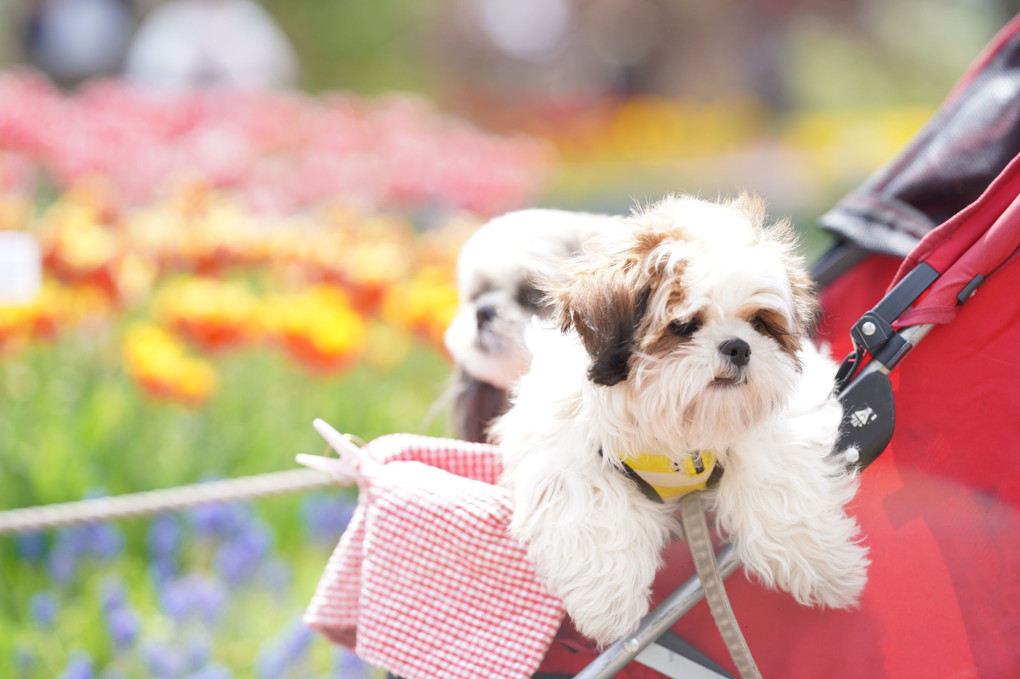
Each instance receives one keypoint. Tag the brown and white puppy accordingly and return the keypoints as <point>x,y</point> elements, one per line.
<point>684,345</point>
<point>498,300</point>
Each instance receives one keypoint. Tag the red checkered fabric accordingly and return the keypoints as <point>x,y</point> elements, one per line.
<point>425,581</point>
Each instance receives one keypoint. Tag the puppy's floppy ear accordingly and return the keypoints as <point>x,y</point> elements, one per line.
<point>476,405</point>
<point>603,306</point>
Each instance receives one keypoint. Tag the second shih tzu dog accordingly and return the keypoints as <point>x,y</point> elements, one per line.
<point>498,301</point>
<point>684,347</point>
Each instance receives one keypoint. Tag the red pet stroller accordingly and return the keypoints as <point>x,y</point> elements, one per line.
<point>933,238</point>
<point>925,250</point>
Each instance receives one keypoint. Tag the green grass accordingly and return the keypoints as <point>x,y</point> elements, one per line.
<point>71,421</point>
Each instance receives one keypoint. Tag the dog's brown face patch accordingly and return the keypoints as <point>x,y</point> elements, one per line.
<point>605,302</point>
<point>661,338</point>
<point>773,324</point>
<point>666,339</point>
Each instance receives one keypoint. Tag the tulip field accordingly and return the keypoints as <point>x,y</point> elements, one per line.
<point>219,270</point>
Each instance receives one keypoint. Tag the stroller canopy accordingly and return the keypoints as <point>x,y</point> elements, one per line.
<point>964,147</point>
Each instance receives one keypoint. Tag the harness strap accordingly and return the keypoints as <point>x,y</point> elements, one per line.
<point>645,487</point>
<point>692,516</point>
<point>656,475</point>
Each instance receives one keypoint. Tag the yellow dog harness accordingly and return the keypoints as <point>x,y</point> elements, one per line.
<point>671,479</point>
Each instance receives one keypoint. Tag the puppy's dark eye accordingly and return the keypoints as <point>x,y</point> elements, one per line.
<point>765,325</point>
<point>529,296</point>
<point>480,289</point>
<point>685,328</point>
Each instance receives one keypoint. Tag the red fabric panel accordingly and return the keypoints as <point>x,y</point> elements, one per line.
<point>989,251</point>
<point>847,298</point>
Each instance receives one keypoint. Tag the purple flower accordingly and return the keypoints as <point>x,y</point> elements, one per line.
<point>196,651</point>
<point>43,606</point>
<point>270,664</point>
<point>296,640</point>
<point>74,539</point>
<point>106,541</point>
<point>101,540</point>
<point>62,564</point>
<point>276,574</point>
<point>212,671</point>
<point>162,661</point>
<point>23,660</point>
<point>122,622</point>
<point>31,546</point>
<point>346,665</point>
<point>123,625</point>
<point>239,557</point>
<point>165,536</point>
<point>68,547</point>
<point>193,596</point>
<point>220,519</point>
<point>283,652</point>
<point>326,515</point>
<point>162,571</point>
<point>78,667</point>
<point>113,593</point>
<point>164,540</point>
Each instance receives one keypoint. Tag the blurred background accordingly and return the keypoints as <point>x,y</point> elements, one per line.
<point>220,219</point>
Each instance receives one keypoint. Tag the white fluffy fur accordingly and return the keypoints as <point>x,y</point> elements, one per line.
<point>494,265</point>
<point>591,533</point>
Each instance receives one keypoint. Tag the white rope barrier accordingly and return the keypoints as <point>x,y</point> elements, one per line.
<point>48,517</point>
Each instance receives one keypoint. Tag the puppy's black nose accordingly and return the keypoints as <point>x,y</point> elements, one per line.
<point>484,314</point>
<point>737,350</point>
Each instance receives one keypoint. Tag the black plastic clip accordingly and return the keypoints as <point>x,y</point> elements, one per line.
<point>874,332</point>
<point>848,368</point>
<point>970,289</point>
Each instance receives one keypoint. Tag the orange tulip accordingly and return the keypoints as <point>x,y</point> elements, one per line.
<point>161,367</point>
<point>211,314</point>
<point>319,328</point>
<point>424,304</point>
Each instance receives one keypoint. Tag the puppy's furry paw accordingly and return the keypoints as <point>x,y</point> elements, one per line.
<point>833,582</point>
<point>610,602</point>
<point>603,572</point>
<point>815,574</point>
<point>818,563</point>
<point>791,530</point>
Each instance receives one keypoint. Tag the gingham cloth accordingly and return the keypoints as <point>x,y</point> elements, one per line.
<point>425,581</point>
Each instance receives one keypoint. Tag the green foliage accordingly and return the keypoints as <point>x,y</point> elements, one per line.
<point>368,47</point>
<point>72,423</point>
